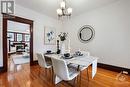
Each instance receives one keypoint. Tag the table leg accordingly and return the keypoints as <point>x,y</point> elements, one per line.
<point>57,79</point>
<point>88,74</point>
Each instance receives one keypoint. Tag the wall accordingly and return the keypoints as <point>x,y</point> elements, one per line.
<point>40,21</point>
<point>112,33</point>
<point>1,56</point>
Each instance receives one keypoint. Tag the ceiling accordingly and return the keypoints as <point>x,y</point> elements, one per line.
<point>18,27</point>
<point>48,7</point>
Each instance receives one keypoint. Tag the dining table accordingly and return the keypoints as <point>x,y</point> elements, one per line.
<point>83,60</point>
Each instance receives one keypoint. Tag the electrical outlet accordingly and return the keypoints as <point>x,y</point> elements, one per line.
<point>125,72</point>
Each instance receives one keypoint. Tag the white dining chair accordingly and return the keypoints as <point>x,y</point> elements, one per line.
<point>62,71</point>
<point>43,64</point>
<point>81,68</point>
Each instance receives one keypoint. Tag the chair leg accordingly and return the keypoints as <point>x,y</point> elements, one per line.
<point>45,71</point>
<point>77,80</point>
<point>74,81</point>
<point>49,73</point>
<point>88,74</point>
<point>52,74</point>
<point>39,70</point>
<point>80,79</point>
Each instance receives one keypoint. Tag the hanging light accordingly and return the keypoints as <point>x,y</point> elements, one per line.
<point>63,10</point>
<point>62,4</point>
<point>59,11</point>
<point>69,10</point>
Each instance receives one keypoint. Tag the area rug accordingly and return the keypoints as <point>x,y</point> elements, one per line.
<point>21,60</point>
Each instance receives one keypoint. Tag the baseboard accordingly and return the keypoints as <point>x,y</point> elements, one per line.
<point>113,68</point>
<point>2,70</point>
<point>35,62</point>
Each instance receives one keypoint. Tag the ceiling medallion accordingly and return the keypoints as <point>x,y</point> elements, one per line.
<point>64,10</point>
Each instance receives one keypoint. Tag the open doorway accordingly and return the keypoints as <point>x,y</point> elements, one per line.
<point>17,41</point>
<point>18,44</point>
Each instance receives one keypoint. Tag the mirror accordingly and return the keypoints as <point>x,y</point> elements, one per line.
<point>86,34</point>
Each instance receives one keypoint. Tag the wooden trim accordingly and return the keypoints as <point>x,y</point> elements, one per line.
<point>9,45</point>
<point>15,37</point>
<point>5,51</point>
<point>5,55</point>
<point>18,32</point>
<point>31,43</point>
<point>113,68</point>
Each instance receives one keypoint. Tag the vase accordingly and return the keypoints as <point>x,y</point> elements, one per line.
<point>58,48</point>
<point>62,47</point>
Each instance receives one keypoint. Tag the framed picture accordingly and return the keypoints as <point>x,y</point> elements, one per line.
<point>10,36</point>
<point>49,36</point>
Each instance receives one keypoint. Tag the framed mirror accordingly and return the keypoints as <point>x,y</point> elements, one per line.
<point>86,34</point>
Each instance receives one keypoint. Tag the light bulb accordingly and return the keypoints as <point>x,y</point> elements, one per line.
<point>62,5</point>
<point>69,10</point>
<point>59,11</point>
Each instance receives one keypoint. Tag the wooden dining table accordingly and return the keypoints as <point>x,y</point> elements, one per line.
<point>78,60</point>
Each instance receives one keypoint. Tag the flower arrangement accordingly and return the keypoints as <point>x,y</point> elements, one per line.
<point>63,36</point>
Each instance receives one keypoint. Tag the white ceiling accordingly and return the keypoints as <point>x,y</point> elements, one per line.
<point>18,27</point>
<point>48,7</point>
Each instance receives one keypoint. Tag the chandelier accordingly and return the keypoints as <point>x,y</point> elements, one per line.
<point>63,10</point>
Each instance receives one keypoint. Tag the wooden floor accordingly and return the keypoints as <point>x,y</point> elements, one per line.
<point>27,76</point>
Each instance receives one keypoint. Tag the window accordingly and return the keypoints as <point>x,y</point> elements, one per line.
<point>10,36</point>
<point>19,37</point>
<point>27,37</point>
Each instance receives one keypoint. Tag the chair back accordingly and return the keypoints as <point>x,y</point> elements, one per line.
<point>60,68</point>
<point>41,60</point>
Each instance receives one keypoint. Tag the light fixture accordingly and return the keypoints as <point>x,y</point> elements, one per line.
<point>62,4</point>
<point>63,10</point>
<point>59,11</point>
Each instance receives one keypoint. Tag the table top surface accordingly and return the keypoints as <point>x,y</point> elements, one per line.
<point>79,60</point>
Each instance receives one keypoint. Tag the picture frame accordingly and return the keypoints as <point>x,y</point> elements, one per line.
<point>49,36</point>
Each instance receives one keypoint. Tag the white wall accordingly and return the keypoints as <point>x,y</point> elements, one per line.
<point>40,21</point>
<point>112,28</point>
<point>1,55</point>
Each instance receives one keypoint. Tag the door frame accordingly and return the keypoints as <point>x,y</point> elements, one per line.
<point>7,17</point>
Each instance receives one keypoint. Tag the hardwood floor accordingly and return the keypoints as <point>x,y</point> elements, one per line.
<point>33,76</point>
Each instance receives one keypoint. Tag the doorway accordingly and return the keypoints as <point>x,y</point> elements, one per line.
<point>5,38</point>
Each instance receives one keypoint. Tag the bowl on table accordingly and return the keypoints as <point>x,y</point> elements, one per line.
<point>67,55</point>
<point>48,51</point>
